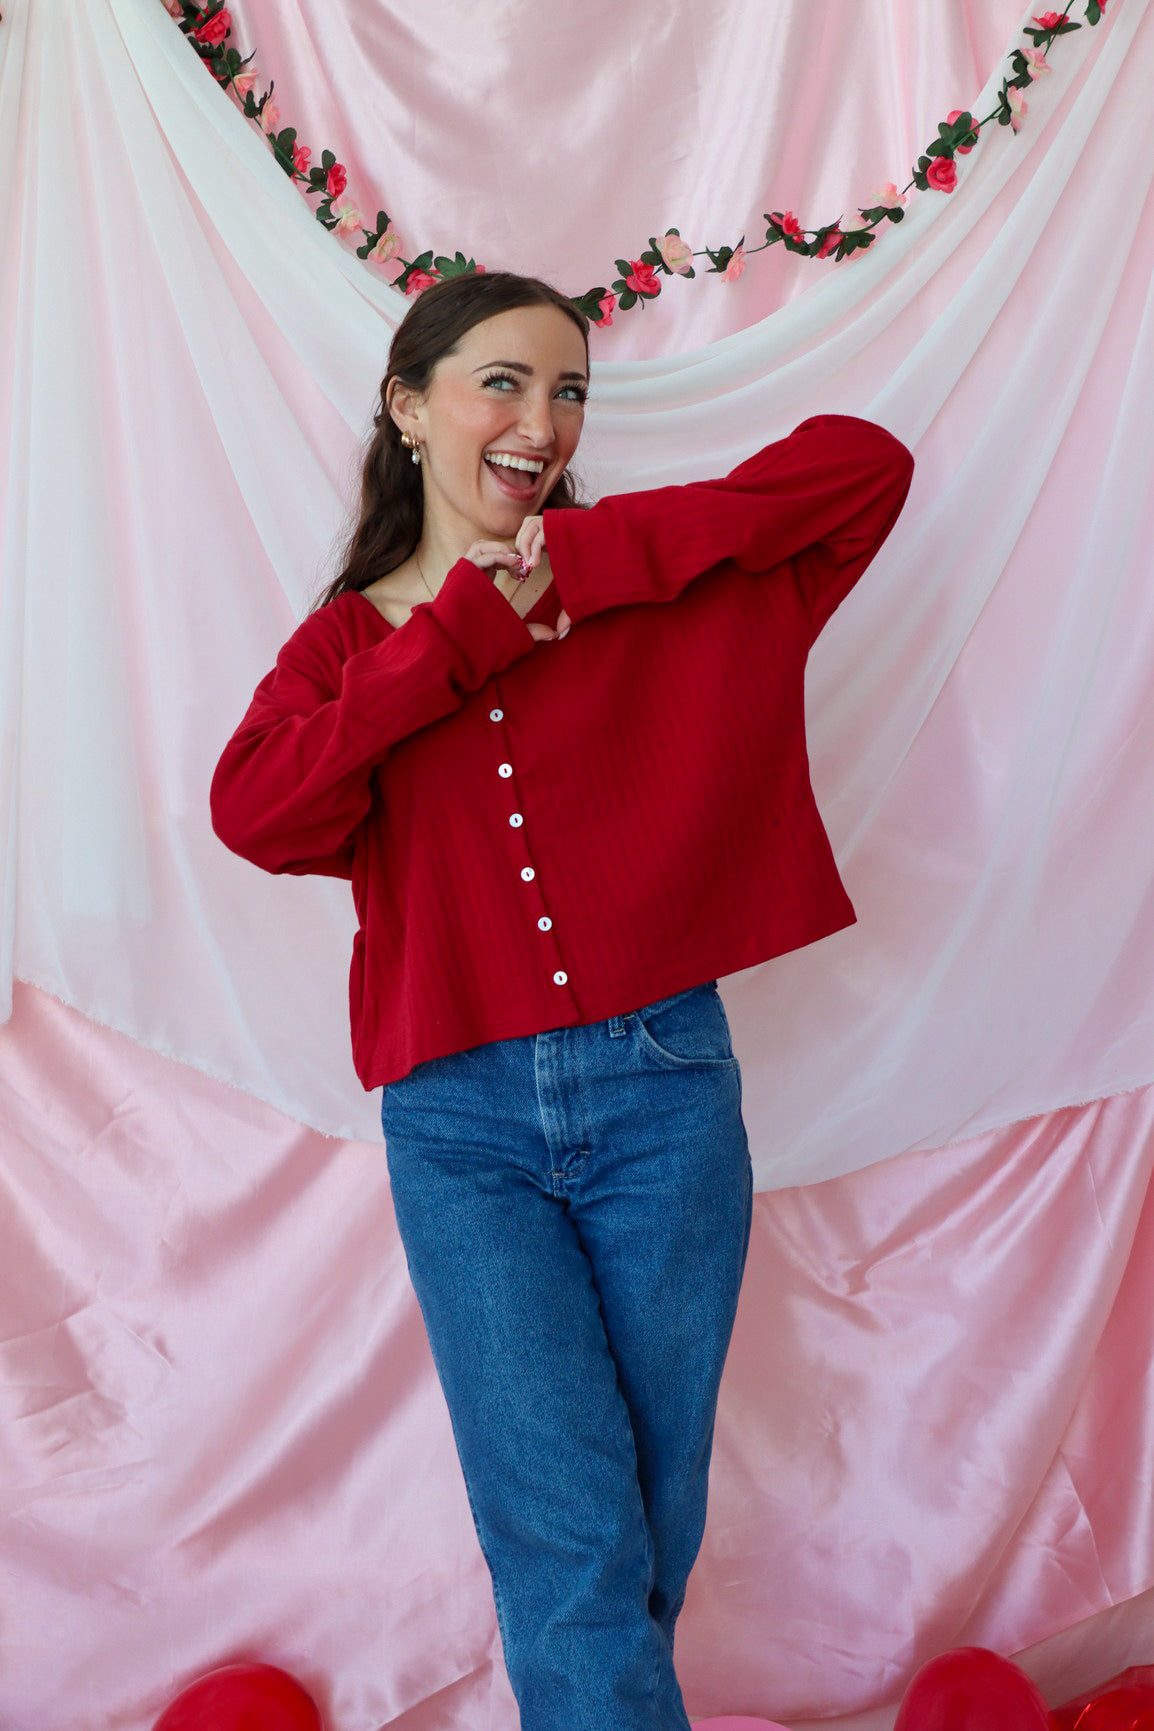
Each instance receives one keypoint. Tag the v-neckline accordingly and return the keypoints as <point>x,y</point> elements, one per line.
<point>534,613</point>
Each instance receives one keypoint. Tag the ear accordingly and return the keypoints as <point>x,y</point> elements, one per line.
<point>404,405</point>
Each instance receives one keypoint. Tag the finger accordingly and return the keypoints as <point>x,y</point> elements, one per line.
<point>531,543</point>
<point>563,623</point>
<point>486,554</point>
<point>541,633</point>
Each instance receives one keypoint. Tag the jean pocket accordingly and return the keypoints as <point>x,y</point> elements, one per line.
<point>688,1030</point>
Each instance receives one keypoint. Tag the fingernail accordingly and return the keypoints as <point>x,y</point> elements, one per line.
<point>564,633</point>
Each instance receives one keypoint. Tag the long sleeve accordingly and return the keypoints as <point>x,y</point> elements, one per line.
<point>294,781</point>
<point>832,490</point>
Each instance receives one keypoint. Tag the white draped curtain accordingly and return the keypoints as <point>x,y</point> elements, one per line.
<point>225,1435</point>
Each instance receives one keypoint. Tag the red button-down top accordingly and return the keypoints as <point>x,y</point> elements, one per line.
<point>544,834</point>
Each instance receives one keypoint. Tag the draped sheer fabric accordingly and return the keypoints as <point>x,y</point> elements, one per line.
<point>193,360</point>
<point>224,1434</point>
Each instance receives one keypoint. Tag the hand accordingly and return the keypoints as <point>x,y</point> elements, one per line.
<point>530,546</point>
<point>530,543</point>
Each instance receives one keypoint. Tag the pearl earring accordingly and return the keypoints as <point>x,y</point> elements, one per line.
<point>413,445</point>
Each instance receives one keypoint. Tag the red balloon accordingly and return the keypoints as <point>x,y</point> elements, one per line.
<point>1124,1703</point>
<point>242,1698</point>
<point>971,1689</point>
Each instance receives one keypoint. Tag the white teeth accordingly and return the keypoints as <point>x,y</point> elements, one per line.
<point>531,465</point>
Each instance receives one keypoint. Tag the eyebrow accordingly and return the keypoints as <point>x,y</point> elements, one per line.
<point>520,367</point>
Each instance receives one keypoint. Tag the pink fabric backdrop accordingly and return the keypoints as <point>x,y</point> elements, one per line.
<point>223,1434</point>
<point>224,1439</point>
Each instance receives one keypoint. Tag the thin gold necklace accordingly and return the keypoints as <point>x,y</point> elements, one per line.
<point>432,594</point>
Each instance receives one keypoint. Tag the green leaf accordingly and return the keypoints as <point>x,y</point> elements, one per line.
<point>627,299</point>
<point>896,213</point>
<point>624,266</point>
<point>328,160</point>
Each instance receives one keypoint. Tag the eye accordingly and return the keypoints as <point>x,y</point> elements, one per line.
<point>500,379</point>
<point>573,393</point>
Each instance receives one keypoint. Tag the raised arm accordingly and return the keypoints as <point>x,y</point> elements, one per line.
<point>832,490</point>
<point>294,781</point>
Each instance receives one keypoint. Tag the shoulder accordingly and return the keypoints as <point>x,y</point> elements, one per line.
<point>342,628</point>
<point>318,649</point>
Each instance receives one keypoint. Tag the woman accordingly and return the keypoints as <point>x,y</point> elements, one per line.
<point>560,754</point>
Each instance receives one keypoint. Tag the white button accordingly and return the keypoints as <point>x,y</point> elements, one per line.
<point>528,874</point>
<point>516,820</point>
<point>560,978</point>
<point>544,924</point>
<point>505,771</point>
<point>496,715</point>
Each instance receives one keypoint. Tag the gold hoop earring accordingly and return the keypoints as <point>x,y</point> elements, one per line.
<point>413,445</point>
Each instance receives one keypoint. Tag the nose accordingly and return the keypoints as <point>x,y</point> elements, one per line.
<point>536,421</point>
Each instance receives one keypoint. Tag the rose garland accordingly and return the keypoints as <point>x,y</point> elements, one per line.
<point>638,280</point>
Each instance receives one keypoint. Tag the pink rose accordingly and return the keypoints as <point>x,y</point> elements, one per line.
<point>642,278</point>
<point>348,217</point>
<point>270,116</point>
<point>889,197</point>
<point>831,243</point>
<point>606,305</point>
<point>1019,107</point>
<point>951,117</point>
<point>214,30</point>
<point>942,173</point>
<point>243,83</point>
<point>1052,20</point>
<point>301,154</point>
<point>387,246</point>
<point>677,254</point>
<point>336,180</point>
<point>1036,63</point>
<point>420,279</point>
<point>788,224</point>
<point>735,266</point>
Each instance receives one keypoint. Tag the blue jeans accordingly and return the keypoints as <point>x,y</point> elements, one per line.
<point>575,1210</point>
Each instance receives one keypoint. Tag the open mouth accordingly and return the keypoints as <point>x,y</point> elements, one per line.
<point>517,477</point>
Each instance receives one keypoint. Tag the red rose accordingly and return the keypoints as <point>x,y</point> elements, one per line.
<point>942,174</point>
<point>336,180</point>
<point>951,117</point>
<point>788,224</point>
<point>642,279</point>
<point>605,307</point>
<point>831,243</point>
<point>214,31</point>
<point>418,280</point>
<point>301,154</point>
<point>1052,20</point>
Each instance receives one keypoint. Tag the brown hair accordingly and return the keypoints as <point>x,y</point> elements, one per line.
<point>389,523</point>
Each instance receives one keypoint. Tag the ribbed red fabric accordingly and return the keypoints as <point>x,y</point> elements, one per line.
<point>545,834</point>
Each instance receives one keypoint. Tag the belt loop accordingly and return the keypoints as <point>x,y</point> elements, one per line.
<point>616,1027</point>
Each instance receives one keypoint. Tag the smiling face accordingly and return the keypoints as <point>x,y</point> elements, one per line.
<point>498,424</point>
